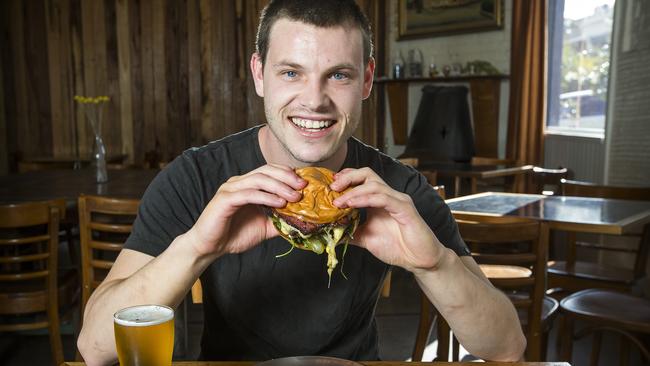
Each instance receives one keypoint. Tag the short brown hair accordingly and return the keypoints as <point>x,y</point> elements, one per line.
<point>320,13</point>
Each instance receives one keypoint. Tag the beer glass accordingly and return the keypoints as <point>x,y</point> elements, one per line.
<point>144,335</point>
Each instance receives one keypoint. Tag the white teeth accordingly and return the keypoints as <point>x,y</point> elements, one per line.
<point>311,124</point>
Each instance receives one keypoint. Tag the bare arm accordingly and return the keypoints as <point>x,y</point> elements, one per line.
<point>483,319</point>
<point>231,223</point>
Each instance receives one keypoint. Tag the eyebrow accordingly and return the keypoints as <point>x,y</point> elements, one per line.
<point>342,66</point>
<point>282,63</point>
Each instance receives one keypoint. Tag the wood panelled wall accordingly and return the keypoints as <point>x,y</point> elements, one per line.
<point>176,72</point>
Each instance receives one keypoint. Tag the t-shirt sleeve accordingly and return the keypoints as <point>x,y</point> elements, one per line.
<point>435,213</point>
<point>170,206</point>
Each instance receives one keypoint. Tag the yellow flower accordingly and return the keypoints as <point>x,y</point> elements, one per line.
<point>91,100</point>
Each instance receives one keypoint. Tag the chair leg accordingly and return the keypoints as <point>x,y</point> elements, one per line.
<point>624,357</point>
<point>56,346</point>
<point>566,345</point>
<point>561,330</point>
<point>424,327</point>
<point>443,339</point>
<point>595,348</point>
<point>455,349</point>
<point>544,351</point>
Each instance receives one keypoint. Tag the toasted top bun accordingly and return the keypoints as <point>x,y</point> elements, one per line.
<point>316,204</point>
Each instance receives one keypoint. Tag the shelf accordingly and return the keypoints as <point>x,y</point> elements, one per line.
<point>440,79</point>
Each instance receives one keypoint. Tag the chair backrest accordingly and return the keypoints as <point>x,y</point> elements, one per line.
<point>547,181</point>
<point>441,191</point>
<point>29,239</point>
<point>482,160</point>
<point>586,189</point>
<point>104,225</point>
<point>409,161</point>
<point>502,246</point>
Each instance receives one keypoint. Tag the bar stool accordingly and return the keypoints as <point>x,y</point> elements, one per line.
<point>606,311</point>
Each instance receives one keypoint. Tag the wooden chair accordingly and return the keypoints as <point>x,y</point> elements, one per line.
<point>512,253</point>
<point>409,161</point>
<point>482,160</point>
<point>506,184</point>
<point>577,272</point>
<point>197,292</point>
<point>31,292</point>
<point>547,181</point>
<point>606,311</point>
<point>104,225</point>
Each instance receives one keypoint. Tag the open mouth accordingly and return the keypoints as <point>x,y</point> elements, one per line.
<point>310,124</point>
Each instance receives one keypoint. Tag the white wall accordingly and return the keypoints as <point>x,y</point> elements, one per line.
<point>628,124</point>
<point>491,46</point>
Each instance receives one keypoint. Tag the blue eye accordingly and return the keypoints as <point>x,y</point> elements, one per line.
<point>290,74</point>
<point>339,76</point>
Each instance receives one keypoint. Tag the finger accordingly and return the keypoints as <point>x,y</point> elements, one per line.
<point>395,207</point>
<point>350,177</point>
<point>371,187</point>
<point>262,182</point>
<point>232,201</point>
<point>282,173</point>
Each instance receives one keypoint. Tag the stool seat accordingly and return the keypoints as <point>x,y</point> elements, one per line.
<point>493,271</point>
<point>609,308</point>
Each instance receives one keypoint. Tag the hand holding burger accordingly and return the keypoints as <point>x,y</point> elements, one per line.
<point>314,222</point>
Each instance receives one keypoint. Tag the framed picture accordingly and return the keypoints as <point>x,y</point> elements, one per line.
<point>430,18</point>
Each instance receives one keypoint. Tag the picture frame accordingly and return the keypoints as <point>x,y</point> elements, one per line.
<point>431,18</point>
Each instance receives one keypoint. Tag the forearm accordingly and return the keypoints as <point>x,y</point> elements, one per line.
<point>165,280</point>
<point>483,319</point>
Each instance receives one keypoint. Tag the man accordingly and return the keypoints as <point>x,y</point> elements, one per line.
<point>201,217</point>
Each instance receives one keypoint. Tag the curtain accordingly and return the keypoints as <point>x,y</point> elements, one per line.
<point>527,106</point>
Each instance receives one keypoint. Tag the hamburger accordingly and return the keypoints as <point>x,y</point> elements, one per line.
<point>314,223</point>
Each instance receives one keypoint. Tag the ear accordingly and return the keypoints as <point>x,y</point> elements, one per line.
<point>257,69</point>
<point>368,76</point>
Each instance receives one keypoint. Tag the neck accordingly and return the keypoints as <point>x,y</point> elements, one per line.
<point>275,153</point>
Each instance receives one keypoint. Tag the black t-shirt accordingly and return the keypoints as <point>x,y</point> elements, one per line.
<point>257,306</point>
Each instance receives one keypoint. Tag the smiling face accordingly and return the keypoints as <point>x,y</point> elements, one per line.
<point>313,83</point>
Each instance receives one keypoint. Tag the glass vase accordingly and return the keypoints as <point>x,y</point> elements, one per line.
<point>99,157</point>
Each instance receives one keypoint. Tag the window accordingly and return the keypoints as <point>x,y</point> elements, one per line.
<point>580,33</point>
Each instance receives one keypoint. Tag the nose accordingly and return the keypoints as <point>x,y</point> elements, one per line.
<point>314,95</point>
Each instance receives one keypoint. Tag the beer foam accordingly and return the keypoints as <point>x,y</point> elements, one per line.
<point>143,315</point>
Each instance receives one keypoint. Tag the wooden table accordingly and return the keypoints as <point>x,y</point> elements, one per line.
<point>580,214</point>
<point>473,172</point>
<point>69,184</point>
<point>63,162</point>
<point>366,363</point>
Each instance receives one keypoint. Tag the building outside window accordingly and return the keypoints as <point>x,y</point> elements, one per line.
<point>580,33</point>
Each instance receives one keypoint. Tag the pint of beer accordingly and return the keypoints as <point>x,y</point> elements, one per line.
<point>144,335</point>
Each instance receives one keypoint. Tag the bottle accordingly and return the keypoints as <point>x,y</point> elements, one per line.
<point>433,68</point>
<point>398,65</point>
<point>415,63</point>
